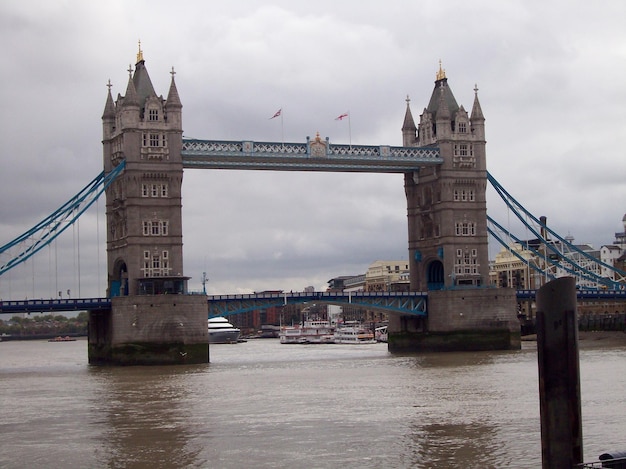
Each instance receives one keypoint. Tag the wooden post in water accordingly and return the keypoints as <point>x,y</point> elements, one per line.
<point>559,377</point>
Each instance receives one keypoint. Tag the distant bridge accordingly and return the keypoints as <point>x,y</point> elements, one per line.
<point>227,305</point>
<point>399,302</point>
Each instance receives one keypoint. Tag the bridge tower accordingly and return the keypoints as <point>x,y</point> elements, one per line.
<point>153,319</point>
<point>447,233</point>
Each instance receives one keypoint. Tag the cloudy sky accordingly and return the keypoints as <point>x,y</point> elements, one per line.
<point>551,84</point>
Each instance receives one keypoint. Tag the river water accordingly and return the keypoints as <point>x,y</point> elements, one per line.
<point>262,404</point>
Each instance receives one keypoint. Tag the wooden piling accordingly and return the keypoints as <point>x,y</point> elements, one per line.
<point>559,376</point>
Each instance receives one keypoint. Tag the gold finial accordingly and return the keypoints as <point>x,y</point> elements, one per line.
<point>441,74</point>
<point>140,53</point>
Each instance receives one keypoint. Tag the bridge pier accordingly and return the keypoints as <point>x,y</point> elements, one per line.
<point>150,330</point>
<point>459,320</point>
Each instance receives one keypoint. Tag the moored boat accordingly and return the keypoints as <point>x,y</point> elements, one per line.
<point>380,333</point>
<point>310,332</point>
<point>67,338</point>
<point>353,334</point>
<point>222,332</point>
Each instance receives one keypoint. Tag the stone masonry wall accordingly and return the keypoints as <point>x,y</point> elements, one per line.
<point>162,318</point>
<point>472,309</point>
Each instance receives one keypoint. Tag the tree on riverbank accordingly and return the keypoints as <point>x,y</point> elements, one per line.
<point>45,325</point>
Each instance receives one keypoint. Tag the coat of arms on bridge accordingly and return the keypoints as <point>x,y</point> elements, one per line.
<point>318,147</point>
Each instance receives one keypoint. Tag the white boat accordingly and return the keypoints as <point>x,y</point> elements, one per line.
<point>381,334</point>
<point>222,332</point>
<point>311,332</point>
<point>353,334</point>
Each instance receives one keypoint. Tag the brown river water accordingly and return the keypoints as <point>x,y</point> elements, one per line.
<point>260,404</point>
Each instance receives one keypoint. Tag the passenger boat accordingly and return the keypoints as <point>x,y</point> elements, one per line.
<point>353,334</point>
<point>310,332</point>
<point>222,332</point>
<point>62,339</point>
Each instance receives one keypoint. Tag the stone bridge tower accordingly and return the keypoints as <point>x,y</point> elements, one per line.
<point>151,310</point>
<point>447,211</point>
<point>144,236</point>
<point>447,231</point>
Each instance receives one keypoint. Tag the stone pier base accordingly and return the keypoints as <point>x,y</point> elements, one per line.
<point>150,330</point>
<point>460,320</point>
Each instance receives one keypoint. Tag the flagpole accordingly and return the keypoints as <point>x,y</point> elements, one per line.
<point>282,128</point>
<point>349,130</point>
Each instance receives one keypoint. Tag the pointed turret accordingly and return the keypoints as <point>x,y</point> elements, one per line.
<point>173,100</point>
<point>109,106</point>
<point>173,106</point>
<point>408,127</point>
<point>108,116</point>
<point>477,112</point>
<point>141,80</point>
<point>477,118</point>
<point>130,98</point>
<point>442,88</point>
<point>443,119</point>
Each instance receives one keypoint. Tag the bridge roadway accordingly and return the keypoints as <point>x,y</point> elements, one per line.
<point>226,305</point>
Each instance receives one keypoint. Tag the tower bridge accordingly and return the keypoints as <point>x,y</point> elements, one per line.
<point>445,177</point>
<point>152,318</point>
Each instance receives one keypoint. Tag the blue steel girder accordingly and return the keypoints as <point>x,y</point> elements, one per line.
<point>43,233</point>
<point>413,303</point>
<point>314,155</point>
<point>557,255</point>
<point>53,305</point>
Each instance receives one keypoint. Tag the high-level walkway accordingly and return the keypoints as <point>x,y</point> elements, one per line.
<point>314,155</point>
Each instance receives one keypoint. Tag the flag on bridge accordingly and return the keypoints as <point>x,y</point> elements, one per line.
<point>341,117</point>
<point>277,113</point>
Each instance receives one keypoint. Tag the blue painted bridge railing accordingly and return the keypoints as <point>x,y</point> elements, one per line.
<point>399,302</point>
<point>54,306</point>
<point>226,305</point>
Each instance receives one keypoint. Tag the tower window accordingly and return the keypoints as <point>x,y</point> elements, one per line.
<point>465,229</point>
<point>153,115</point>
<point>154,190</point>
<point>155,264</point>
<point>155,228</point>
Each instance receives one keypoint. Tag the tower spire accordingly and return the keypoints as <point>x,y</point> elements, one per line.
<point>477,112</point>
<point>109,107</point>
<point>139,53</point>
<point>173,100</point>
<point>441,74</point>
<point>408,127</point>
